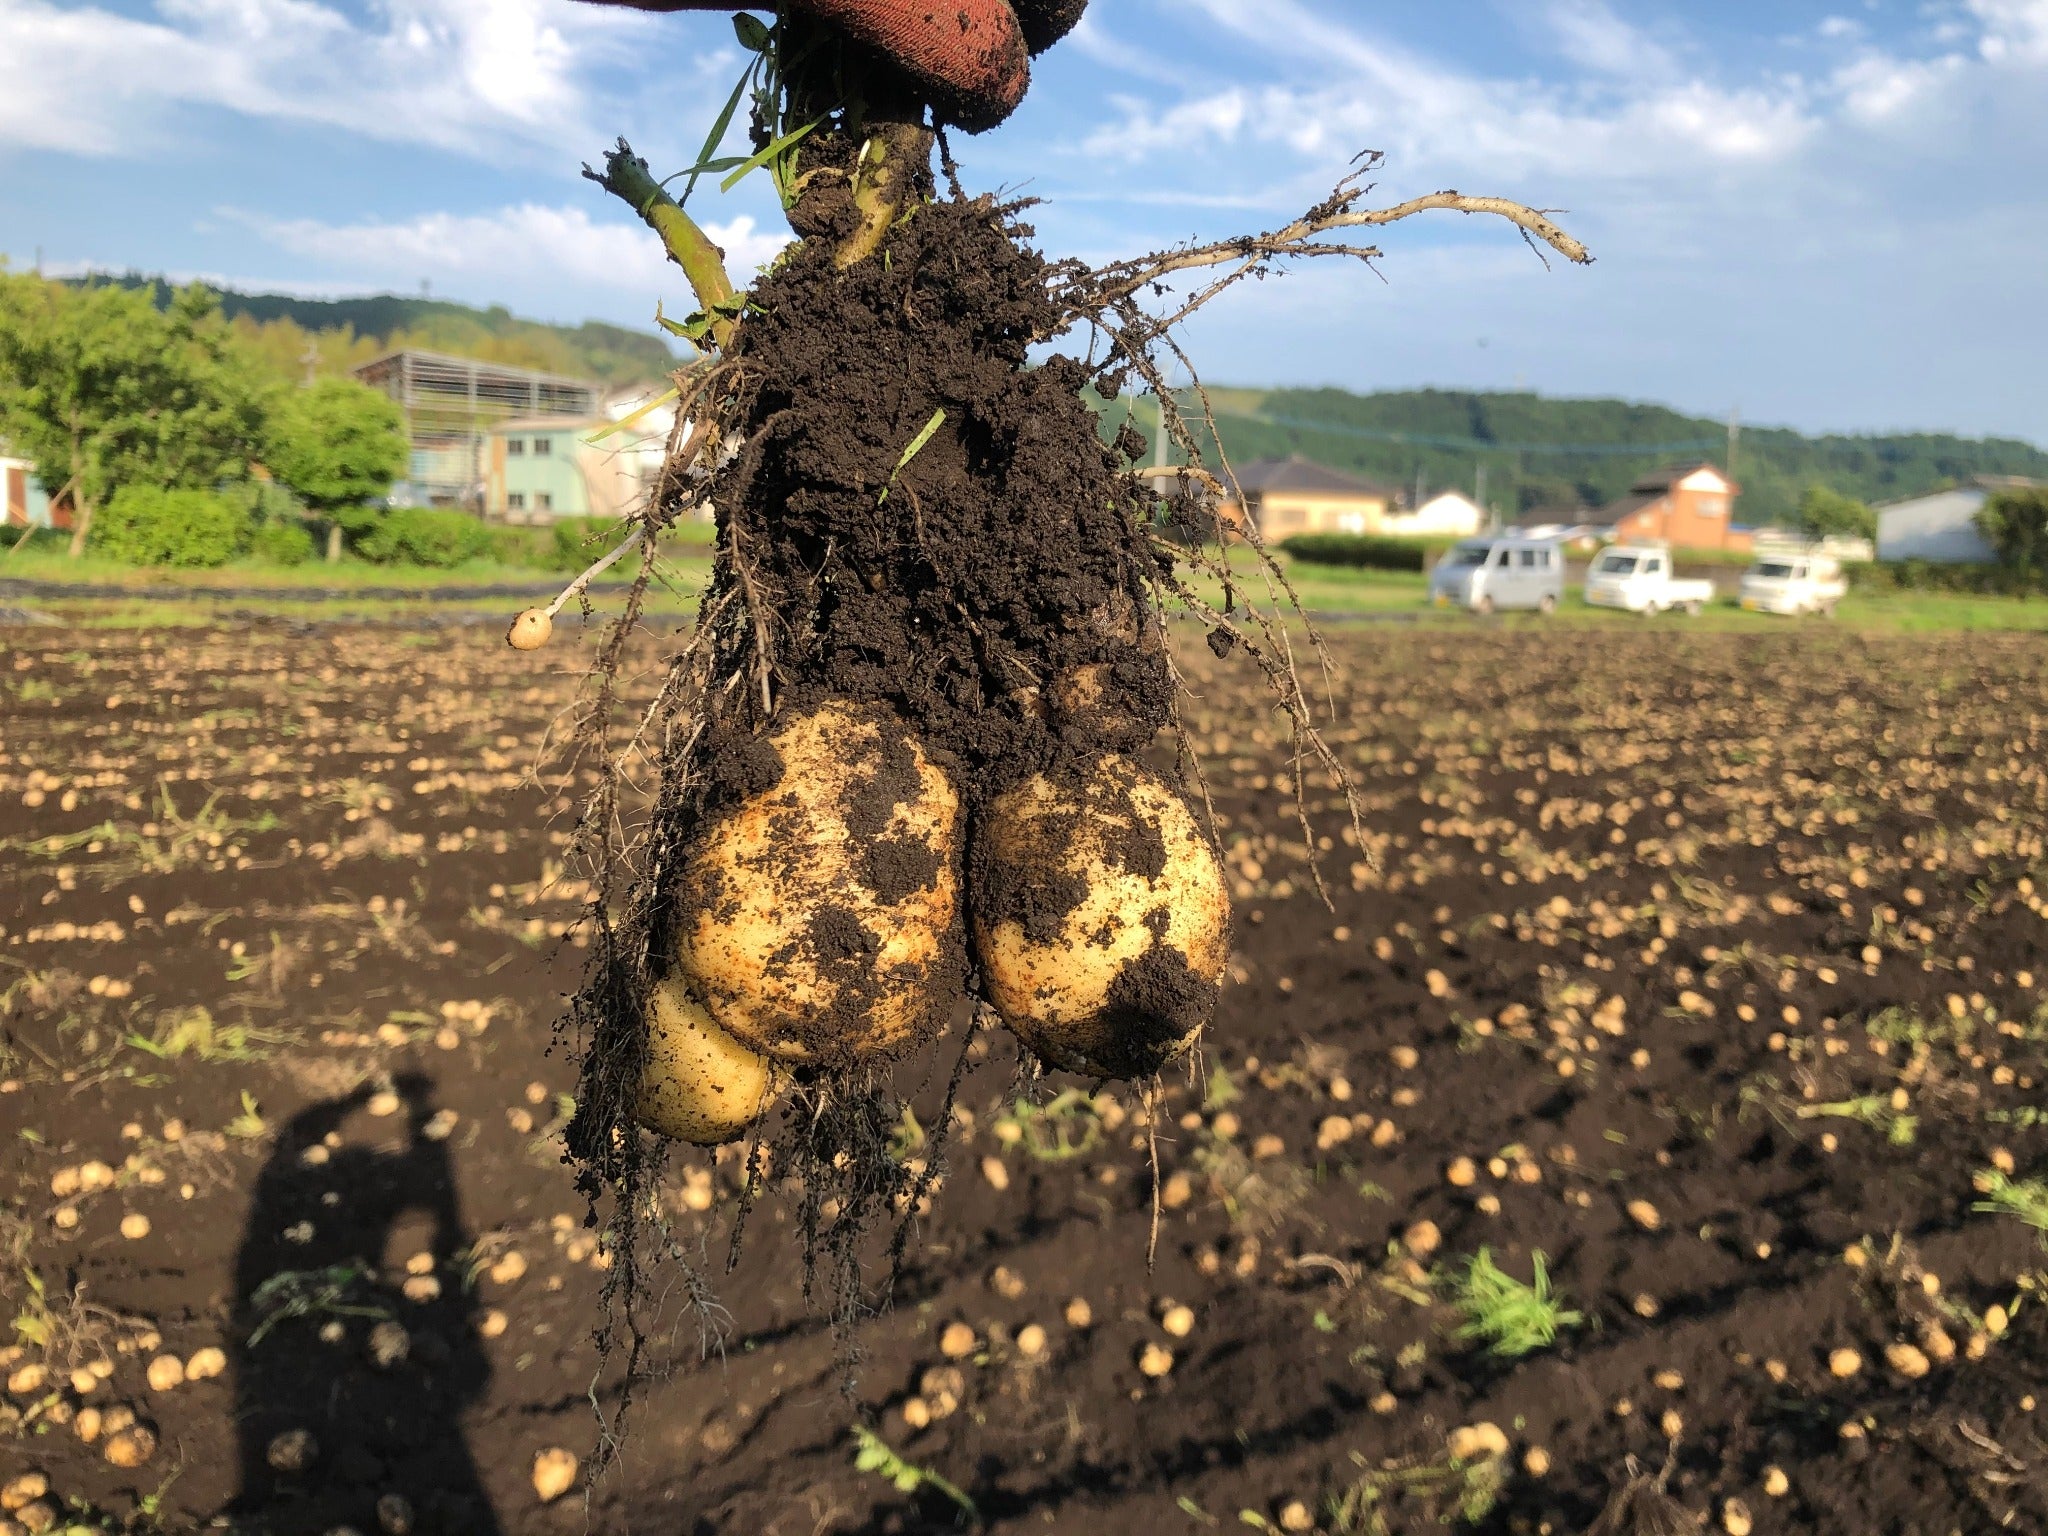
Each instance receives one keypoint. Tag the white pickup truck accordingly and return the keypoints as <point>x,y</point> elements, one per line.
<point>1794,584</point>
<point>1638,578</point>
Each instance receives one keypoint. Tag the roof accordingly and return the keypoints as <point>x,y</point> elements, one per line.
<point>477,364</point>
<point>1658,481</point>
<point>1975,485</point>
<point>1294,473</point>
<point>1616,511</point>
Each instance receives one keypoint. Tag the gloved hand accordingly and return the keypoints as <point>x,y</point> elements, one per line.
<point>972,58</point>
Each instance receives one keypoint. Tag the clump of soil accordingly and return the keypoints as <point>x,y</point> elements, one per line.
<point>961,584</point>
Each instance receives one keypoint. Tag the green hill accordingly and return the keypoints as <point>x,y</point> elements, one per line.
<point>348,332</point>
<point>1541,452</point>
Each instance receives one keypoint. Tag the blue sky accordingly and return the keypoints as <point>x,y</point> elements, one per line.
<point>1828,215</point>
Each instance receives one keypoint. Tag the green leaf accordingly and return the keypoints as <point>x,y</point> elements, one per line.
<point>761,157</point>
<point>925,435</point>
<point>717,135</point>
<point>752,32</point>
<point>671,393</point>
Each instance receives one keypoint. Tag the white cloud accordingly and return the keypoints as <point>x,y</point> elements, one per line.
<point>1877,89</point>
<point>2015,31</point>
<point>525,245</point>
<point>1645,114</point>
<point>1092,40</point>
<point>1592,36</point>
<point>466,75</point>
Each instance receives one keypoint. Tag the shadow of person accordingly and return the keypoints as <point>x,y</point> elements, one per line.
<point>355,1348</point>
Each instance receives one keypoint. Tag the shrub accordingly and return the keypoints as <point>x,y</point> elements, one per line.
<point>2014,521</point>
<point>148,525</point>
<point>1940,576</point>
<point>429,536</point>
<point>281,543</point>
<point>1361,550</point>
<point>579,540</point>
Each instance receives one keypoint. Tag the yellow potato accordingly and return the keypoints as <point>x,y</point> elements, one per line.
<point>821,916</point>
<point>700,1085</point>
<point>1101,919</point>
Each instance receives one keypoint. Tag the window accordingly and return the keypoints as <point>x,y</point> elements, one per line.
<point>515,501</point>
<point>543,445</point>
<point>514,447</point>
<point>1532,559</point>
<point>1505,558</point>
<point>1654,566</point>
<point>1774,570</point>
<point>1466,555</point>
<point>543,501</point>
<point>1616,565</point>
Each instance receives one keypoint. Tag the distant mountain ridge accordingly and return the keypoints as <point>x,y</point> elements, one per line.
<point>348,332</point>
<point>1541,452</point>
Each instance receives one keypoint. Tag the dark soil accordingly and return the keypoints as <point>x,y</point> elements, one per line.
<point>1715,834</point>
<point>959,583</point>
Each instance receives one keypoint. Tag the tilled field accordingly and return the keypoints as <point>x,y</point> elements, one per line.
<point>1701,967</point>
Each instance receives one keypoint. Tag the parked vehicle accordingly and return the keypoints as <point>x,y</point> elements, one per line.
<point>1485,574</point>
<point>1638,578</point>
<point>1794,584</point>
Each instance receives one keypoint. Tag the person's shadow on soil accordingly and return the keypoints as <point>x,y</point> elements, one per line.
<point>349,1391</point>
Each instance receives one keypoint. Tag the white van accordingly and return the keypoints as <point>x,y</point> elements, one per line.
<point>1794,584</point>
<point>1507,572</point>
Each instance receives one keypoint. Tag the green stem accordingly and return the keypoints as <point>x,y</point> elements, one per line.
<point>883,183</point>
<point>627,178</point>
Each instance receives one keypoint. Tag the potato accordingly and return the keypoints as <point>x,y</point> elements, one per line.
<point>701,1085</point>
<point>821,915</point>
<point>1101,918</point>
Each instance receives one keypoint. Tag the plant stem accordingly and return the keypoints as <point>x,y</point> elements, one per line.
<point>627,178</point>
<point>883,182</point>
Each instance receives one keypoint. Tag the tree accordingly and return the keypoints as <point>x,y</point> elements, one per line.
<point>102,389</point>
<point>2015,524</point>
<point>338,444</point>
<point>1824,513</point>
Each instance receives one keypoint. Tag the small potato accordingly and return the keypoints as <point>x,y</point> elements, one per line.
<point>1101,919</point>
<point>701,1085</point>
<point>820,913</point>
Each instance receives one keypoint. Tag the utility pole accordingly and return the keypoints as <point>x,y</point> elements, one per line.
<point>1734,437</point>
<point>1479,493</point>
<point>311,358</point>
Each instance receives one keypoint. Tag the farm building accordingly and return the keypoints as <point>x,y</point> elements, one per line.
<point>22,497</point>
<point>1941,527</point>
<point>1287,496</point>
<point>450,405</point>
<point>540,468</point>
<point>1688,506</point>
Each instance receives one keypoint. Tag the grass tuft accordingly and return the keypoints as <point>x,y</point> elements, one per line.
<point>2005,1196</point>
<point>1510,1318</point>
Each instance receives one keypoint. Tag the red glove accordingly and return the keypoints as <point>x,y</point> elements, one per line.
<point>972,57</point>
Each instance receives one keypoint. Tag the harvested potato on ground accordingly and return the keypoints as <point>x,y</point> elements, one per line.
<point>820,914</point>
<point>701,1085</point>
<point>1101,919</point>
